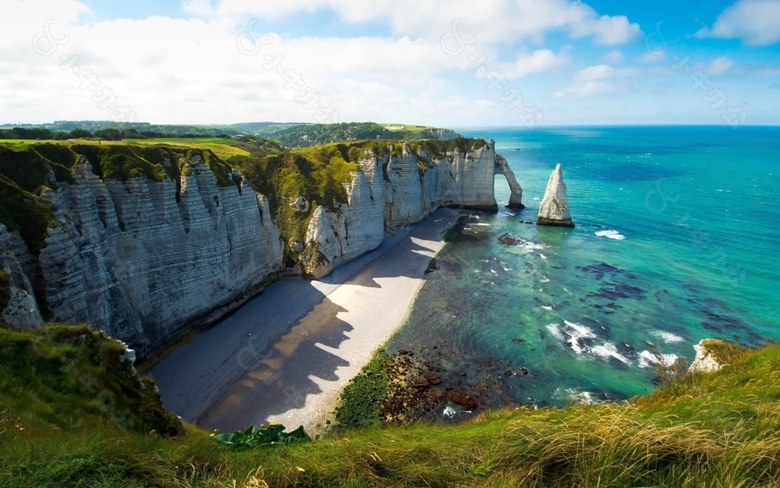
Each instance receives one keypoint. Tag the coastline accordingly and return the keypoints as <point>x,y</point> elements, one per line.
<point>285,355</point>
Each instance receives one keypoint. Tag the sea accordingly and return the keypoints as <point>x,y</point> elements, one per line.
<point>677,239</point>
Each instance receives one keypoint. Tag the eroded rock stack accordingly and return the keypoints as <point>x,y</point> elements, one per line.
<point>554,209</point>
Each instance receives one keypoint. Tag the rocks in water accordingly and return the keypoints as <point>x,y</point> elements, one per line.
<point>554,208</point>
<point>432,378</point>
<point>437,394</point>
<point>460,397</point>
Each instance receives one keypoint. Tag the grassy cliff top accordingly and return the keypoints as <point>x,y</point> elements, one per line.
<point>715,429</point>
<point>27,167</point>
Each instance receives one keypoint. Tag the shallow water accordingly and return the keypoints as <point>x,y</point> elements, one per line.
<point>676,241</point>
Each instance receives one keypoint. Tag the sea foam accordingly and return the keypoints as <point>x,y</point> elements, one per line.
<point>611,234</point>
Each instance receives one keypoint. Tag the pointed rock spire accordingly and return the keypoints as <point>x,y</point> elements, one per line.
<point>554,209</point>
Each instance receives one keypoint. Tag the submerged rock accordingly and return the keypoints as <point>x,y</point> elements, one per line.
<point>462,398</point>
<point>554,209</point>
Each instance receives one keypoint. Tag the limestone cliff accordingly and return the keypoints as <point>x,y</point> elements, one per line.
<point>145,261</point>
<point>146,258</point>
<point>554,209</point>
<point>414,185</point>
<point>516,195</point>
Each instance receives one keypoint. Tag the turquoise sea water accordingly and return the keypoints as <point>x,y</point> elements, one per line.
<point>689,250</point>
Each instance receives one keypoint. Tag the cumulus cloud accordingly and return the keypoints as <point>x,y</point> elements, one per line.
<point>755,22</point>
<point>719,65</point>
<point>490,20</point>
<point>536,62</point>
<point>595,80</point>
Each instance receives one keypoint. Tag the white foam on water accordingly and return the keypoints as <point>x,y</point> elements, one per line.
<point>611,234</point>
<point>555,330</point>
<point>608,350</point>
<point>542,256</point>
<point>576,396</point>
<point>493,271</point>
<point>647,359</point>
<point>547,307</point>
<point>537,198</point>
<point>667,337</point>
<point>544,279</point>
<point>505,268</point>
<point>577,332</point>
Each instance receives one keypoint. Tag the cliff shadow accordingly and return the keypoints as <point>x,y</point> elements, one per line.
<point>282,377</point>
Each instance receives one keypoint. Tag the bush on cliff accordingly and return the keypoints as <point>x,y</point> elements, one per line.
<point>717,429</point>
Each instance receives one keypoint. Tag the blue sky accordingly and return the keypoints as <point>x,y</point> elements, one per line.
<point>540,62</point>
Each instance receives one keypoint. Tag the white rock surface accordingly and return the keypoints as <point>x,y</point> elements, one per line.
<point>393,186</point>
<point>554,208</point>
<point>516,195</point>
<point>705,361</point>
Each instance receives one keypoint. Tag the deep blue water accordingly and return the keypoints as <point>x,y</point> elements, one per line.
<point>692,254</point>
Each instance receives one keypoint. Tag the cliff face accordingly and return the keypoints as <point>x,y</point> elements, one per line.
<point>412,187</point>
<point>143,262</point>
<point>147,260</point>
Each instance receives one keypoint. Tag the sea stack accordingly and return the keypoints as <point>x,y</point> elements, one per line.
<point>554,209</point>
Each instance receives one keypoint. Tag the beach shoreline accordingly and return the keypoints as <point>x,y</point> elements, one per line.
<point>285,355</point>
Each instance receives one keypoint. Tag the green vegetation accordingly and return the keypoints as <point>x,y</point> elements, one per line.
<point>262,436</point>
<point>5,289</point>
<point>362,398</point>
<point>717,429</point>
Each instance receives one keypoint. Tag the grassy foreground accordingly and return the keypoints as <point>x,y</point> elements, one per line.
<point>717,429</point>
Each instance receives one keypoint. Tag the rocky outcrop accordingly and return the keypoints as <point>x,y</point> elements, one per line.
<point>554,209</point>
<point>705,361</point>
<point>516,195</point>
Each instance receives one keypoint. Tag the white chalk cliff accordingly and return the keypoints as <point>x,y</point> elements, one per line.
<point>554,209</point>
<point>146,261</point>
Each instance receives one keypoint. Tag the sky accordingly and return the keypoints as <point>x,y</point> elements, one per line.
<point>447,63</point>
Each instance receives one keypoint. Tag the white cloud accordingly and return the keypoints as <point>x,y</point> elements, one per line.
<point>490,20</point>
<point>755,22</point>
<point>595,80</point>
<point>536,62</point>
<point>719,65</point>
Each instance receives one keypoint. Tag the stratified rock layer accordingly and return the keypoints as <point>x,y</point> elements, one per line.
<point>554,209</point>
<point>147,261</point>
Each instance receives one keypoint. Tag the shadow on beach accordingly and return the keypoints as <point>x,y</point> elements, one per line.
<point>273,354</point>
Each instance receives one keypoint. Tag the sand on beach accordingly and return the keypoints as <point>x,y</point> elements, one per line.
<point>285,355</point>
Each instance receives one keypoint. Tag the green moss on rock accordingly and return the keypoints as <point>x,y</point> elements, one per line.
<point>5,289</point>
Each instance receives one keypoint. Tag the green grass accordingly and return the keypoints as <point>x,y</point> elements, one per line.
<point>701,430</point>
